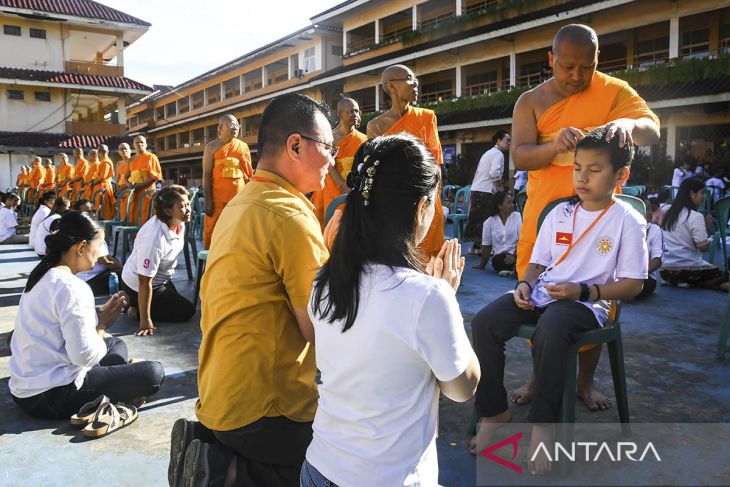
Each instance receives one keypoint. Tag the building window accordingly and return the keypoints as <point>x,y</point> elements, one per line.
<point>532,74</point>
<point>481,83</point>
<point>171,109</point>
<point>38,33</point>
<point>160,113</point>
<point>11,30</point>
<point>337,50</point>
<point>198,99</point>
<point>232,87</point>
<point>212,132</point>
<point>160,144</point>
<point>198,137</point>
<point>171,142</point>
<point>185,139</point>
<point>42,95</point>
<point>183,105</point>
<point>309,60</point>
<point>15,95</point>
<point>213,94</point>
<point>652,51</point>
<point>696,43</point>
<point>724,44</point>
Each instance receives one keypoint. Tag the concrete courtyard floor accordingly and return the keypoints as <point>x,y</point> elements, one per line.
<point>669,345</point>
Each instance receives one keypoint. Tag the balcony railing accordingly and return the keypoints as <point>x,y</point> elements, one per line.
<point>434,21</point>
<point>647,59</point>
<point>483,5</point>
<point>94,128</point>
<point>436,96</point>
<point>611,65</point>
<point>83,67</point>
<point>361,44</point>
<point>391,36</point>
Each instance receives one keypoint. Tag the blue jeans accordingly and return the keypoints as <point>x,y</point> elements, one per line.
<point>310,477</point>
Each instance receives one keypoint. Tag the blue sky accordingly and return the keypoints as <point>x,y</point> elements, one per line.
<point>188,38</point>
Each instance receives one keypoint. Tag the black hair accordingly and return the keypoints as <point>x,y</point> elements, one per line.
<point>499,135</point>
<point>73,227</point>
<point>390,176</point>
<point>77,206</point>
<point>60,206</point>
<point>48,195</point>
<point>11,195</point>
<point>596,140</point>
<point>288,114</point>
<point>681,201</point>
<point>496,202</point>
<point>166,198</point>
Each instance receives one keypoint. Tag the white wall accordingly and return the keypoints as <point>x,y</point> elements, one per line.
<point>10,165</point>
<point>331,61</point>
<point>31,53</point>
<point>30,115</point>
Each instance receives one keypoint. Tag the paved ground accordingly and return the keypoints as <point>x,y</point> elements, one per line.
<point>669,342</point>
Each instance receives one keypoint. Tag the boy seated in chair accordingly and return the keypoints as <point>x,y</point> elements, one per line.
<point>589,250</point>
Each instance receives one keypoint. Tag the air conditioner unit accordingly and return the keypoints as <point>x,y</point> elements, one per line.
<point>185,146</point>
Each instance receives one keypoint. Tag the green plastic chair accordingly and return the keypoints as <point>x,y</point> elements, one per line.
<point>101,200</point>
<point>126,231</point>
<point>191,231</point>
<point>461,211</point>
<point>708,204</point>
<point>332,207</point>
<point>722,209</point>
<point>631,190</point>
<point>199,269</point>
<point>521,200</point>
<point>446,191</point>
<point>637,203</point>
<point>109,225</point>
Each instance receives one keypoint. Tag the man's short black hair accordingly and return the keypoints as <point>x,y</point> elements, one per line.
<point>77,206</point>
<point>619,156</point>
<point>288,114</point>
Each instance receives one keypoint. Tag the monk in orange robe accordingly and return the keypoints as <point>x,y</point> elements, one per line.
<point>548,122</point>
<point>143,171</point>
<point>80,169</point>
<point>90,176</point>
<point>226,170</point>
<point>103,181</point>
<point>348,140</point>
<point>64,174</point>
<point>49,176</point>
<point>401,85</point>
<point>36,175</point>
<point>22,179</point>
<point>125,153</point>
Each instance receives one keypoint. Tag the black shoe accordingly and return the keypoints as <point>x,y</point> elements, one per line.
<point>206,464</point>
<point>182,435</point>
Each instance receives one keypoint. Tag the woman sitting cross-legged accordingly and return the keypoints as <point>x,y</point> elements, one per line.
<point>500,234</point>
<point>60,357</point>
<point>147,274</point>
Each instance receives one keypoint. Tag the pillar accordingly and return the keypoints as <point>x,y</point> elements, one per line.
<point>120,51</point>
<point>512,69</point>
<point>459,12</point>
<point>674,36</point>
<point>671,125</point>
<point>415,18</point>
<point>377,98</point>
<point>121,111</point>
<point>458,81</point>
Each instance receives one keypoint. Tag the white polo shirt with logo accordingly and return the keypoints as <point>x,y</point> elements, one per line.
<point>155,253</point>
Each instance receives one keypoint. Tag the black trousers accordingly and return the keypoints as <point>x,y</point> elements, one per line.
<point>500,265</point>
<point>100,284</point>
<point>270,452</point>
<point>113,377</point>
<point>168,305</point>
<point>559,325</point>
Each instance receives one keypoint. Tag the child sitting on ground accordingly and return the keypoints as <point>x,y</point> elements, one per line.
<point>500,233</point>
<point>589,250</point>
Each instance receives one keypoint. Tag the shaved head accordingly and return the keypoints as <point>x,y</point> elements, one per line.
<point>227,119</point>
<point>104,149</point>
<point>346,104</point>
<point>397,71</point>
<point>578,35</point>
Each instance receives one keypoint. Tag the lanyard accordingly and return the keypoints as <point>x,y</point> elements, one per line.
<point>573,243</point>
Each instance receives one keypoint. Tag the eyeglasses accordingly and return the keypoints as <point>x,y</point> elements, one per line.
<point>334,150</point>
<point>232,125</point>
<point>411,80</point>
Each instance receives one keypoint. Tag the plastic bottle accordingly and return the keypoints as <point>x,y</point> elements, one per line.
<point>113,283</point>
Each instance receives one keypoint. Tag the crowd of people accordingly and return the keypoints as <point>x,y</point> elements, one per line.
<point>327,336</point>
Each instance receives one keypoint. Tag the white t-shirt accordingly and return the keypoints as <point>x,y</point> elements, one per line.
<point>377,418</point>
<point>489,171</point>
<point>520,180</point>
<point>8,222</point>
<point>655,244</point>
<point>55,340</point>
<point>40,215</point>
<point>680,243</point>
<point>502,237</point>
<point>717,183</point>
<point>614,249</point>
<point>41,232</point>
<point>154,255</point>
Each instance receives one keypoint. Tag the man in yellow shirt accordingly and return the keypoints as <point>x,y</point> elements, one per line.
<point>256,374</point>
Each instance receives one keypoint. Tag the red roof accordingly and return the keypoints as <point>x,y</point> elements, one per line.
<point>72,78</point>
<point>76,8</point>
<point>54,141</point>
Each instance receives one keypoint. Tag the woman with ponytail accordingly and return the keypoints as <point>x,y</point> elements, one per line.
<point>60,206</point>
<point>60,357</point>
<point>381,309</point>
<point>500,234</point>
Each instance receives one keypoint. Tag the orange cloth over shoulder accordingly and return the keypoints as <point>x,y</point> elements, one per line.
<point>106,208</point>
<point>49,179</point>
<point>606,99</point>
<point>36,177</point>
<point>143,166</point>
<point>64,173</point>
<point>232,169</point>
<point>421,123</point>
<point>343,165</point>
<point>80,169</point>
<point>88,177</point>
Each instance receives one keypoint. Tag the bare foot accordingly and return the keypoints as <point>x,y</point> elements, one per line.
<point>132,313</point>
<point>593,398</point>
<point>523,395</point>
<point>541,464</point>
<point>138,402</point>
<point>485,430</point>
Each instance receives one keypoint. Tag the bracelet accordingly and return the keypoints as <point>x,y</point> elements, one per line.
<point>585,293</point>
<point>598,293</point>
<point>524,282</point>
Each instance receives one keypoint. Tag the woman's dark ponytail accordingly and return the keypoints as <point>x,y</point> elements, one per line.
<point>73,227</point>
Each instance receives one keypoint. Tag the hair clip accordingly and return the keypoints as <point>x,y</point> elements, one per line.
<point>367,182</point>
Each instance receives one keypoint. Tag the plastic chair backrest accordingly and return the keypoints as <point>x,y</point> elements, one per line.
<point>332,207</point>
<point>152,192</point>
<point>120,200</point>
<point>549,208</point>
<point>631,191</point>
<point>152,203</point>
<point>707,205</point>
<point>101,192</point>
<point>465,195</point>
<point>521,200</point>
<point>446,190</point>
<point>636,203</point>
<point>722,211</point>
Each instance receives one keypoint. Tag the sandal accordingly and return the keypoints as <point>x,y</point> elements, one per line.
<point>86,413</point>
<point>109,418</point>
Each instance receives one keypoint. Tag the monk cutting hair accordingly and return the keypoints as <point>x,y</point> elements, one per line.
<point>548,122</point>
<point>348,140</point>
<point>401,85</point>
<point>226,170</point>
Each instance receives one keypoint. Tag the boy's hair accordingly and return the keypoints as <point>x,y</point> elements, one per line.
<point>77,206</point>
<point>596,140</point>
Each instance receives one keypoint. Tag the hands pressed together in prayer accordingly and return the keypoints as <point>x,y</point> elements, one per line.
<point>448,264</point>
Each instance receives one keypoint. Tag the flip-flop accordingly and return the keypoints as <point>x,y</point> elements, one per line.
<point>109,418</point>
<point>86,413</point>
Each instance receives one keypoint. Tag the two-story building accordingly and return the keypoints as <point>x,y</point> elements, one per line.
<point>62,82</point>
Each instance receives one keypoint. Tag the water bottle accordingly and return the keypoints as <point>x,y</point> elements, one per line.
<point>113,283</point>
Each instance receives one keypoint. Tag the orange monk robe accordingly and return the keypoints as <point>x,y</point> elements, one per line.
<point>343,164</point>
<point>605,100</point>
<point>64,173</point>
<point>143,166</point>
<point>122,185</point>
<point>80,170</point>
<point>421,123</point>
<point>105,172</point>
<point>232,169</point>
<point>49,179</point>
<point>36,177</point>
<point>88,177</point>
